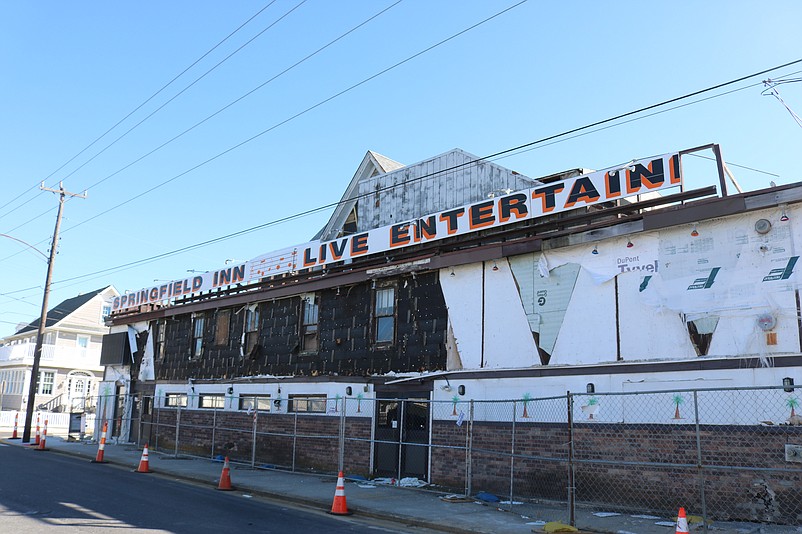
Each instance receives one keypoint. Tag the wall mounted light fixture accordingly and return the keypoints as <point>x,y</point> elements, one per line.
<point>629,244</point>
<point>784,216</point>
<point>694,231</point>
<point>495,267</point>
<point>348,390</point>
<point>595,250</point>
<point>461,389</point>
<point>788,384</point>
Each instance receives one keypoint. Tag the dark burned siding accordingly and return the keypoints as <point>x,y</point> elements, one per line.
<point>345,336</point>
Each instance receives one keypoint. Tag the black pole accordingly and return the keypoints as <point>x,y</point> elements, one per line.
<point>40,335</point>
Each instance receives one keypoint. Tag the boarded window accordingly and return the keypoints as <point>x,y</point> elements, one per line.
<point>221,328</point>
<point>384,315</point>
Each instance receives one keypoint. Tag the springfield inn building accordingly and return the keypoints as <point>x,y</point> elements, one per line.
<point>455,279</point>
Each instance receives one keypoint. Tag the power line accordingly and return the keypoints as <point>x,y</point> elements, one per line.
<point>151,97</point>
<point>300,113</point>
<point>418,178</point>
<point>297,63</point>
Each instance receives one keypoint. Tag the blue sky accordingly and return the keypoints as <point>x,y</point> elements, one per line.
<point>73,70</point>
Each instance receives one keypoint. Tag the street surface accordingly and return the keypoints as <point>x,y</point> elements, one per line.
<point>40,490</point>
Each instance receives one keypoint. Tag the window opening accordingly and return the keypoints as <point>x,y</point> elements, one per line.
<point>307,403</point>
<point>255,402</point>
<point>221,328</point>
<point>309,318</point>
<point>197,335</point>
<point>384,311</point>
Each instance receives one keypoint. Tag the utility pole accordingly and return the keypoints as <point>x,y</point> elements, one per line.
<point>40,335</point>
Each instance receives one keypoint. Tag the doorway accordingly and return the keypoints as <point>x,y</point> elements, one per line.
<point>402,436</point>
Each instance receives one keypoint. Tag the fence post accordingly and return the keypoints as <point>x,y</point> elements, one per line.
<point>214,429</point>
<point>699,470</point>
<point>341,462</point>
<point>158,420</point>
<point>400,435</point>
<point>571,482</point>
<point>512,450</point>
<point>294,435</point>
<point>141,405</point>
<point>469,452</point>
<point>253,437</point>
<point>177,427</point>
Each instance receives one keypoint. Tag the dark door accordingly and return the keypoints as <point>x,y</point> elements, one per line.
<point>402,437</point>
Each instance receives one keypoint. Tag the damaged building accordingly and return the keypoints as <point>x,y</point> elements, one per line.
<point>456,280</point>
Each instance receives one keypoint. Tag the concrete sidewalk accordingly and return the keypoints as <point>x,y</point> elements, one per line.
<point>420,507</point>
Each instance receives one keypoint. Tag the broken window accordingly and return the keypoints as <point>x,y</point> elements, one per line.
<point>198,323</point>
<point>309,339</point>
<point>251,327</point>
<point>161,335</point>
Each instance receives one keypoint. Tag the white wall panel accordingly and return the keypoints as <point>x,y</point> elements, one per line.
<point>463,296</point>
<point>648,332</point>
<point>588,334</point>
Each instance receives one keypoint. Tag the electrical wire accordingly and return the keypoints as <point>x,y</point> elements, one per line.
<point>496,155</point>
<point>151,97</point>
<point>242,97</point>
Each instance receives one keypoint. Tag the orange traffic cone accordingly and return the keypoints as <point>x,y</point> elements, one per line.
<point>143,462</point>
<point>225,478</point>
<point>682,522</point>
<point>102,445</point>
<point>339,507</point>
<point>38,437</point>
<point>43,441</point>
<point>16,421</point>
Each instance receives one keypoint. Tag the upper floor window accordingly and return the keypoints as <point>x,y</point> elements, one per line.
<point>384,315</point>
<point>82,342</point>
<point>161,335</point>
<point>221,327</point>
<point>251,327</point>
<point>105,311</point>
<point>309,339</point>
<point>198,324</point>
<point>50,338</point>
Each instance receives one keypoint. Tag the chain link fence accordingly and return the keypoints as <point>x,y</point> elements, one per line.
<point>729,454</point>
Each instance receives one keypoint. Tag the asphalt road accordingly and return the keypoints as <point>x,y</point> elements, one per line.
<point>40,490</point>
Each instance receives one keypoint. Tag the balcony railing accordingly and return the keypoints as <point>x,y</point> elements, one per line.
<point>54,355</point>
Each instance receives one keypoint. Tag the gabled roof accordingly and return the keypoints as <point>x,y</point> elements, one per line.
<point>372,164</point>
<point>62,310</point>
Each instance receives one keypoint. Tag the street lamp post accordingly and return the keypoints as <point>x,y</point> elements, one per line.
<point>40,334</point>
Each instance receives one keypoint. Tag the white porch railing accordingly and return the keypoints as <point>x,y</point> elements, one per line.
<point>55,355</point>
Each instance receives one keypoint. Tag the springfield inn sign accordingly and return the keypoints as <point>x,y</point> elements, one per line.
<point>638,177</point>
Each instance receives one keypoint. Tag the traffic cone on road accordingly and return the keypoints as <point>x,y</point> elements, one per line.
<point>339,506</point>
<point>16,421</point>
<point>102,445</point>
<point>42,443</point>
<point>143,462</point>
<point>225,477</point>
<point>682,522</point>
<point>38,437</point>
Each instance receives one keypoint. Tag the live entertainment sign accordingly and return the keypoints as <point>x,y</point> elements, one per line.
<point>638,177</point>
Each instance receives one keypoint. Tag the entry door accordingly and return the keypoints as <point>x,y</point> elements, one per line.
<point>402,437</point>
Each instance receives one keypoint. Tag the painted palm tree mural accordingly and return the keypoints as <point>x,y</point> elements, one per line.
<point>677,399</point>
<point>526,399</point>
<point>454,401</point>
<point>359,397</point>
<point>591,407</point>
<point>793,403</point>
